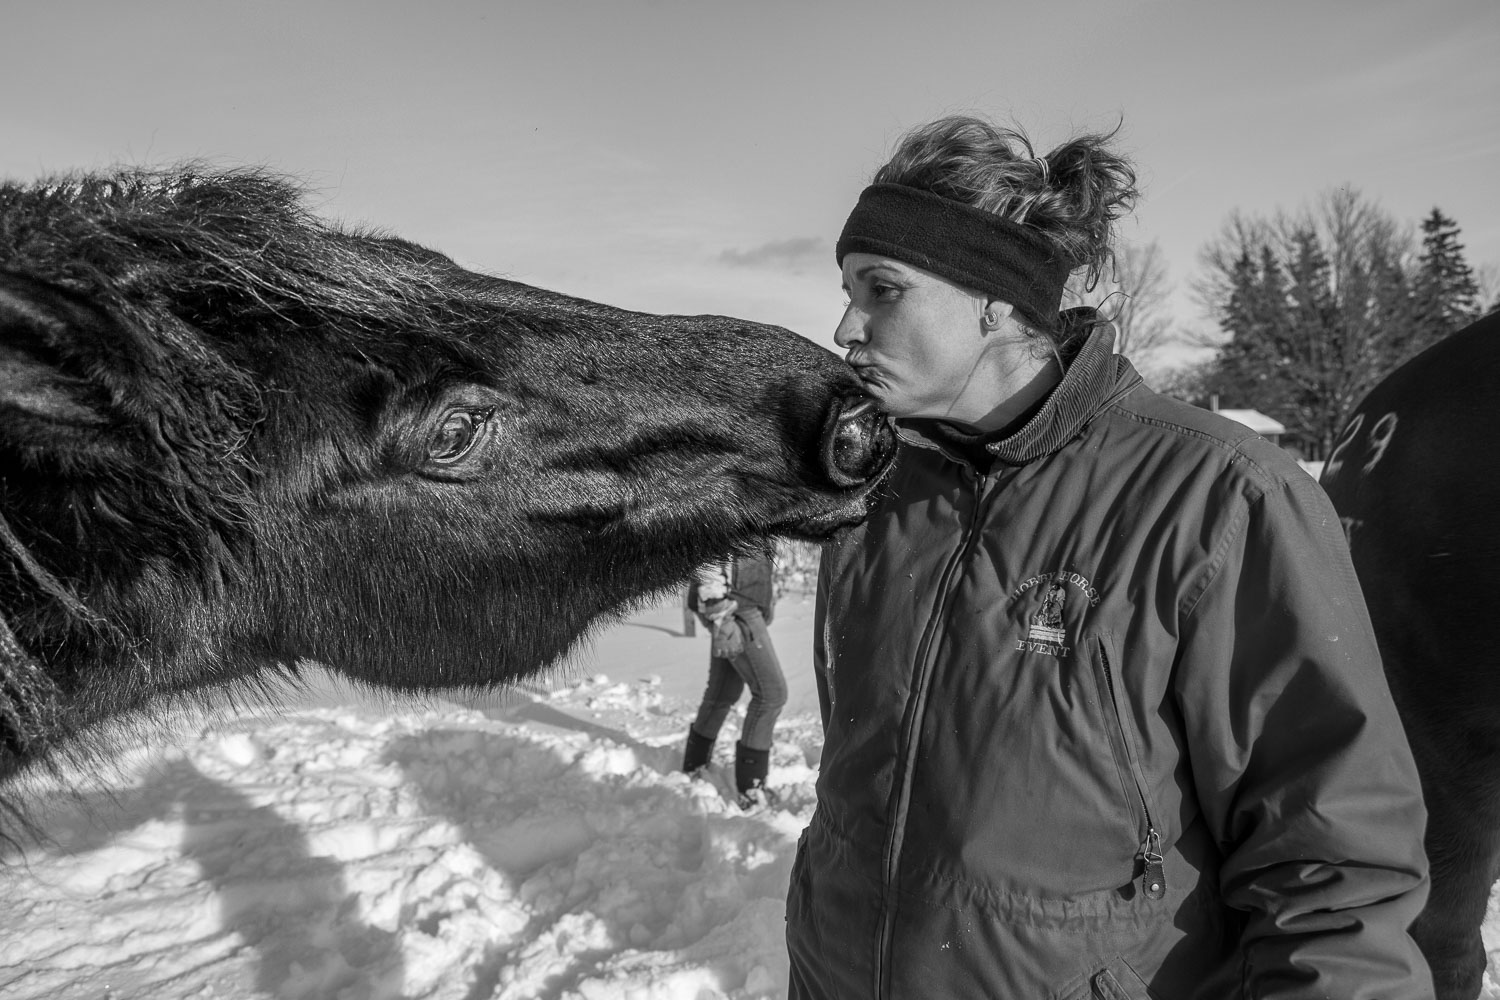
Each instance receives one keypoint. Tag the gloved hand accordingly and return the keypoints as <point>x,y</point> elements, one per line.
<point>728,639</point>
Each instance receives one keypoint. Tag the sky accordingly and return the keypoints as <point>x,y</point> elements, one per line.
<point>695,156</point>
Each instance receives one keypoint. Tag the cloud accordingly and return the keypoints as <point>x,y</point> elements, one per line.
<point>795,255</point>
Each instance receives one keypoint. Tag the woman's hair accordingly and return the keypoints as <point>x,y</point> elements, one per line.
<point>1072,196</point>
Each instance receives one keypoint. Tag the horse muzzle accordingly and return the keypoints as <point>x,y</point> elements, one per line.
<point>858,443</point>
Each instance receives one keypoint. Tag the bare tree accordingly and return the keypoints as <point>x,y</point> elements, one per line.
<point>1134,297</point>
<point>1488,277</point>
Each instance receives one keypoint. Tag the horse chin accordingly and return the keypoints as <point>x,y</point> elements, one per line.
<point>820,525</point>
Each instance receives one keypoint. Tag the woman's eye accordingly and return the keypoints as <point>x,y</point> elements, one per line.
<point>459,431</point>
<point>885,292</point>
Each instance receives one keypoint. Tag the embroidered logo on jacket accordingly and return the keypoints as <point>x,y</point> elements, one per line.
<point>1047,631</point>
<point>1047,624</point>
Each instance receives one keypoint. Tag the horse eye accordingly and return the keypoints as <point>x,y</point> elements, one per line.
<point>459,430</point>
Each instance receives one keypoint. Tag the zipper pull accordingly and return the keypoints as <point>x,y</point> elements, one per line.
<point>1154,878</point>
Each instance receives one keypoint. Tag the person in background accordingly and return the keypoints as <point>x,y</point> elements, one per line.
<point>736,601</point>
<point>1103,709</point>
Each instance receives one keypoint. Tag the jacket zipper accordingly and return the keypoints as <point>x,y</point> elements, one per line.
<point>1153,872</point>
<point>925,657</point>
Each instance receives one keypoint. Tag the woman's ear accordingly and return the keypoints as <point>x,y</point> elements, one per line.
<point>996,311</point>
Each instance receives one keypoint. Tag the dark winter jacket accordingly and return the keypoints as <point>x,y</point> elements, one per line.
<point>751,583</point>
<point>1108,722</point>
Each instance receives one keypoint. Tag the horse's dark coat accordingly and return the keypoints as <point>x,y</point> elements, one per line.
<point>234,436</point>
<point>1416,479</point>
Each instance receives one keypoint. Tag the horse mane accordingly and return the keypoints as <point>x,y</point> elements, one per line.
<point>216,244</point>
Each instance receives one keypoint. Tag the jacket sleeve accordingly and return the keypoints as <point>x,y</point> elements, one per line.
<point>712,581</point>
<point>1299,760</point>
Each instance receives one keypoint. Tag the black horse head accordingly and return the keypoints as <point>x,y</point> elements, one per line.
<point>234,436</point>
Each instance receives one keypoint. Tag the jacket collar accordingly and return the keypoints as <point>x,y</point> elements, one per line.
<point>1095,378</point>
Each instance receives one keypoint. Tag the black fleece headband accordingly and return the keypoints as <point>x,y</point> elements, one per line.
<point>975,248</point>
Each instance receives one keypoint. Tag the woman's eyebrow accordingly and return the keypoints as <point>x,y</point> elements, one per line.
<point>879,265</point>
<point>863,272</point>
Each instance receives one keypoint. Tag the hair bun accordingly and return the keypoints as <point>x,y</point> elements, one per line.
<point>1095,186</point>
<point>1071,196</point>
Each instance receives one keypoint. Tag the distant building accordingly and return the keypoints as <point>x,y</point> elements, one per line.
<point>1268,428</point>
<point>1258,422</point>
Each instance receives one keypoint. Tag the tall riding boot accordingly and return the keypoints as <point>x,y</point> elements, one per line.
<point>700,749</point>
<point>750,767</point>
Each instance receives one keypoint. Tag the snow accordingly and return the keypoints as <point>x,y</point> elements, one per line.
<point>536,844</point>
<point>539,843</point>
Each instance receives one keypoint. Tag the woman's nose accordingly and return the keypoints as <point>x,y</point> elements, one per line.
<point>851,329</point>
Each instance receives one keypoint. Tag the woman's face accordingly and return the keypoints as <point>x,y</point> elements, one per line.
<point>914,339</point>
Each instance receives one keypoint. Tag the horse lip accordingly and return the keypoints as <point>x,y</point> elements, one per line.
<point>858,443</point>
<point>856,407</point>
<point>818,523</point>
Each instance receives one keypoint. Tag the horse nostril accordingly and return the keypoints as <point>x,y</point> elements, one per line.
<point>858,443</point>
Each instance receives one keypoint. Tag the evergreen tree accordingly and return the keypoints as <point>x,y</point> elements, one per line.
<point>1237,362</point>
<point>1271,349</point>
<point>1311,342</point>
<point>1445,293</point>
<point>1317,308</point>
<point>1243,374</point>
<point>1391,309</point>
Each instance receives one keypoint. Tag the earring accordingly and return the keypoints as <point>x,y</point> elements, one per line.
<point>991,320</point>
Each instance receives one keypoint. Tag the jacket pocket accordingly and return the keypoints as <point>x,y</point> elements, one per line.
<point>1125,747</point>
<point>1118,982</point>
<point>1115,981</point>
